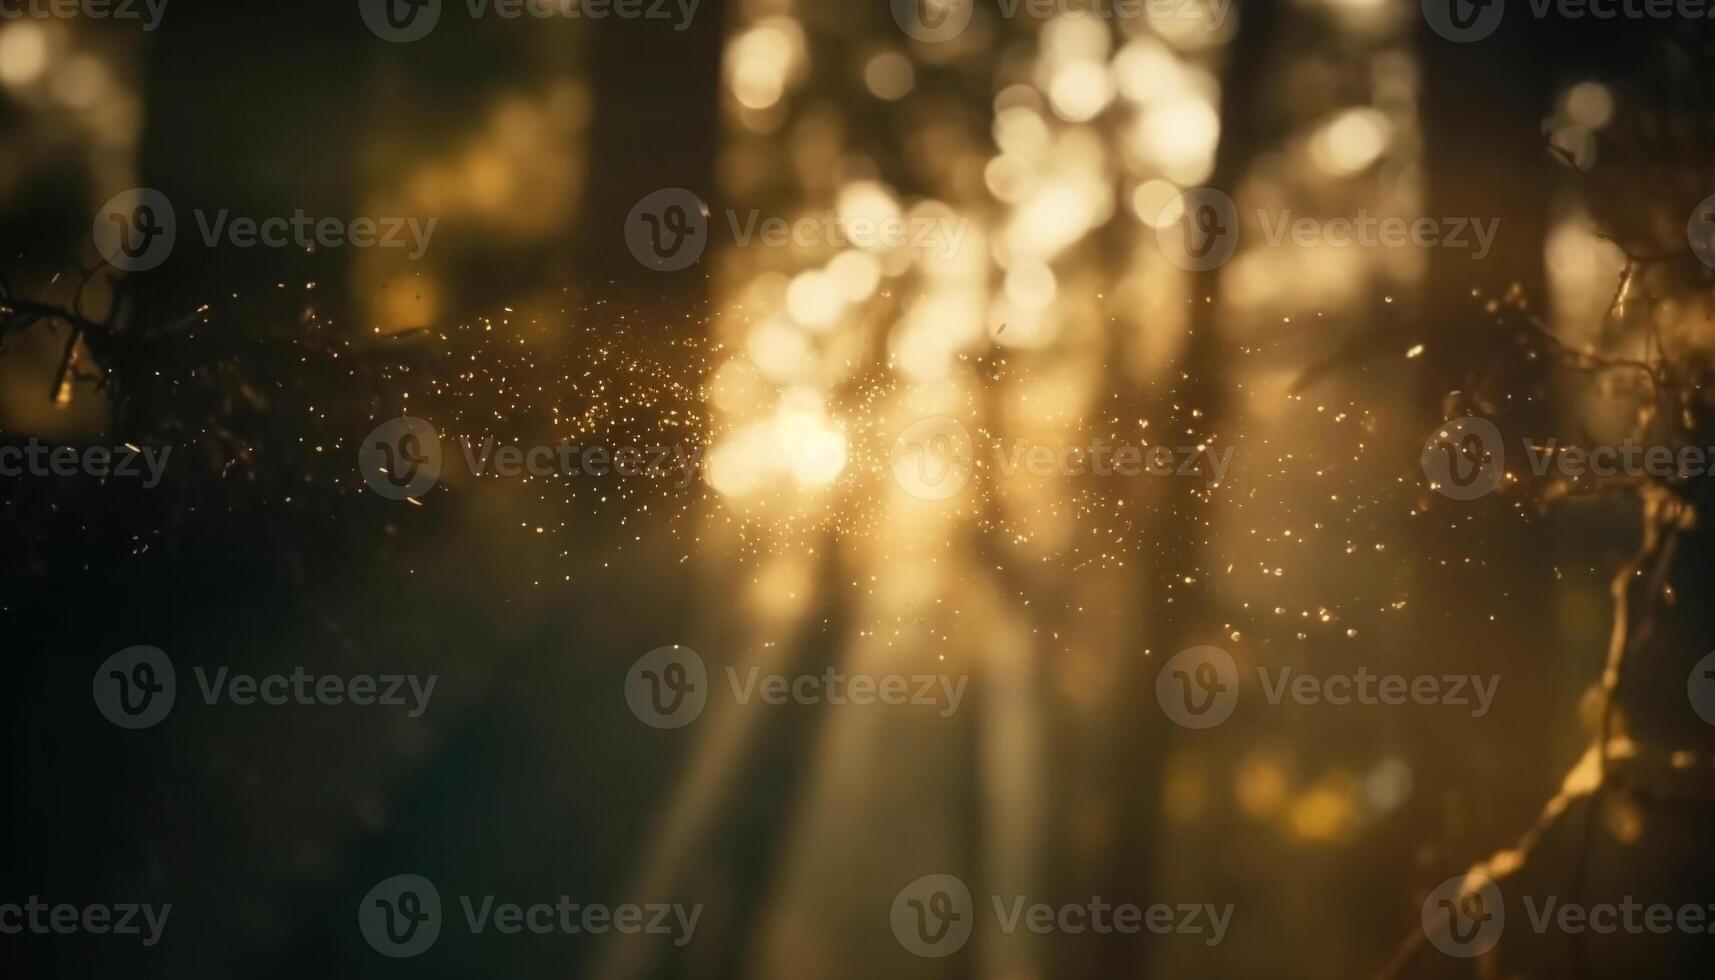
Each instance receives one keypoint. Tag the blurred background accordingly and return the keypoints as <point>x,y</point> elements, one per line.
<point>1061,140</point>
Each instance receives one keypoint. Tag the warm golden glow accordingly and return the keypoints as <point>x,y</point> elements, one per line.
<point>1351,141</point>
<point>23,53</point>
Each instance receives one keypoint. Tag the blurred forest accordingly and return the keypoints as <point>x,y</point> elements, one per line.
<point>1059,140</point>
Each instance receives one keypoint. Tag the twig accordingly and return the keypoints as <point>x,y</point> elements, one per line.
<point>1665,512</point>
